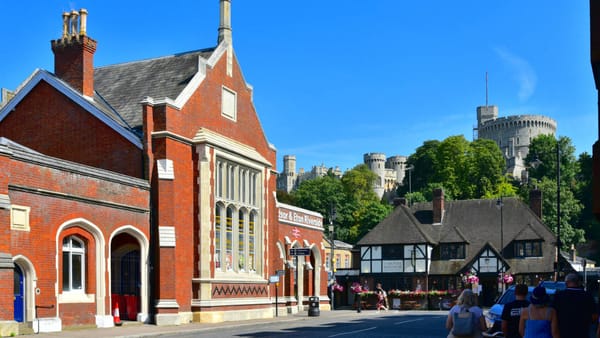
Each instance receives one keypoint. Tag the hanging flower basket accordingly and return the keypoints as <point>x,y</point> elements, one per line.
<point>337,287</point>
<point>470,277</point>
<point>507,279</point>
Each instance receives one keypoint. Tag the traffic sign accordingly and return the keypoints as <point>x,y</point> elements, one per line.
<point>299,252</point>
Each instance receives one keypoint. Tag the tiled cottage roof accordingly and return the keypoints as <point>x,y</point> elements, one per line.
<point>399,227</point>
<point>477,223</point>
<point>124,85</point>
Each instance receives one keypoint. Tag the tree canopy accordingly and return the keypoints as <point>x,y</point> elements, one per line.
<point>351,199</point>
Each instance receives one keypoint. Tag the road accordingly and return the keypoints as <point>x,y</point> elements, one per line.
<point>352,325</point>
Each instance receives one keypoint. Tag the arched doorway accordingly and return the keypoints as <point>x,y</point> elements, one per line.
<point>19,294</point>
<point>126,277</point>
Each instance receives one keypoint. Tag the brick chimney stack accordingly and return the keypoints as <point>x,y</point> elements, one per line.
<point>438,205</point>
<point>74,53</point>
<point>535,202</point>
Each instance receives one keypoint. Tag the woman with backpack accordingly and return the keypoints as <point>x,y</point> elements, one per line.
<point>465,319</point>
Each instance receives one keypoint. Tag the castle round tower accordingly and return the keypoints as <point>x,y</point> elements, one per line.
<point>513,134</point>
<point>287,179</point>
<point>376,163</point>
<point>398,165</point>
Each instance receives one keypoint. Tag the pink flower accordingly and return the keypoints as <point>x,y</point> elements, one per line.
<point>356,288</point>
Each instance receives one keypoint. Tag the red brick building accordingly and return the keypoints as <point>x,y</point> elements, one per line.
<point>146,185</point>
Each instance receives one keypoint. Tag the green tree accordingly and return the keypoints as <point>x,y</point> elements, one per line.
<point>587,220</point>
<point>484,173</point>
<point>321,195</point>
<point>545,154</point>
<point>451,166</point>
<point>357,207</point>
<point>464,169</point>
<point>423,171</point>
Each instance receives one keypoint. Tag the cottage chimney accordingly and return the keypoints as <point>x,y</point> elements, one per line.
<point>74,53</point>
<point>438,205</point>
<point>225,22</point>
<point>535,202</point>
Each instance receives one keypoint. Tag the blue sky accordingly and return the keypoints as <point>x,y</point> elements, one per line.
<point>336,79</point>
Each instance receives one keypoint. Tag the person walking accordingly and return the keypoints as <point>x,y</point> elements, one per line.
<point>539,320</point>
<point>576,309</point>
<point>511,314</point>
<point>381,296</point>
<point>466,310</point>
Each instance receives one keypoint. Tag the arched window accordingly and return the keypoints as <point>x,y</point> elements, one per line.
<point>218,231</point>
<point>241,254</point>
<point>229,240</point>
<point>73,264</point>
<point>237,213</point>
<point>251,238</point>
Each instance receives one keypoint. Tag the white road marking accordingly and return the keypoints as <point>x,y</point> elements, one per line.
<point>353,332</point>
<point>408,321</point>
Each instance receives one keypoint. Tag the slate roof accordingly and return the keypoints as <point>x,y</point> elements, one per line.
<point>477,223</point>
<point>122,87</point>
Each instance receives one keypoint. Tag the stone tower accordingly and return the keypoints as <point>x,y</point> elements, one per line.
<point>376,162</point>
<point>513,134</point>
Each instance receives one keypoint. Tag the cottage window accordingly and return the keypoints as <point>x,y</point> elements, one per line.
<point>528,249</point>
<point>452,251</point>
<point>73,264</point>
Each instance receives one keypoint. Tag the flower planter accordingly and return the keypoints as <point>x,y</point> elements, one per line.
<point>421,300</point>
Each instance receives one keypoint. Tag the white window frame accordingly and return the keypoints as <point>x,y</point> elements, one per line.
<point>73,251</point>
<point>228,103</point>
<point>238,200</point>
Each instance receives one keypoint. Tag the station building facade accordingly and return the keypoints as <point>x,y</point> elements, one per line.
<point>147,185</point>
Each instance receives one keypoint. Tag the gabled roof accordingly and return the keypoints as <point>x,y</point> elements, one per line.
<point>95,107</point>
<point>476,223</point>
<point>125,85</point>
<point>399,227</point>
<point>527,233</point>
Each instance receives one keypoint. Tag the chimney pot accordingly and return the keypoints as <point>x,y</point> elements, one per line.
<point>82,21</point>
<point>65,33</point>
<point>74,15</point>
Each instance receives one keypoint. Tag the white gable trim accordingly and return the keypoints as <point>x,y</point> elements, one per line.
<point>204,135</point>
<point>194,83</point>
<point>39,75</point>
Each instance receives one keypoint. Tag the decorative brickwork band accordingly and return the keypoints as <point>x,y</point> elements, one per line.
<point>223,291</point>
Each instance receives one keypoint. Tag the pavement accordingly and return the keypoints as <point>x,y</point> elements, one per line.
<point>137,329</point>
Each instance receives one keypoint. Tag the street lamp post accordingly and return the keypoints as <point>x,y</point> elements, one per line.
<point>558,244</point>
<point>332,260</point>
<point>410,169</point>
<point>500,205</point>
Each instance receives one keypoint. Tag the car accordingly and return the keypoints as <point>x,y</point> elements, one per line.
<point>493,317</point>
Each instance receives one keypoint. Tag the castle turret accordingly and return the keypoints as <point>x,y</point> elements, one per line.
<point>376,163</point>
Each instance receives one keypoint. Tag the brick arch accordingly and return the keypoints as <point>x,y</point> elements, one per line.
<point>96,261</point>
<point>143,245</point>
<point>30,278</point>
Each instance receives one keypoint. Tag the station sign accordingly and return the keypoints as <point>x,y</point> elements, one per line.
<point>299,252</point>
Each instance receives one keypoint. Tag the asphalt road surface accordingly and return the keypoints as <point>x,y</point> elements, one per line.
<point>352,325</point>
